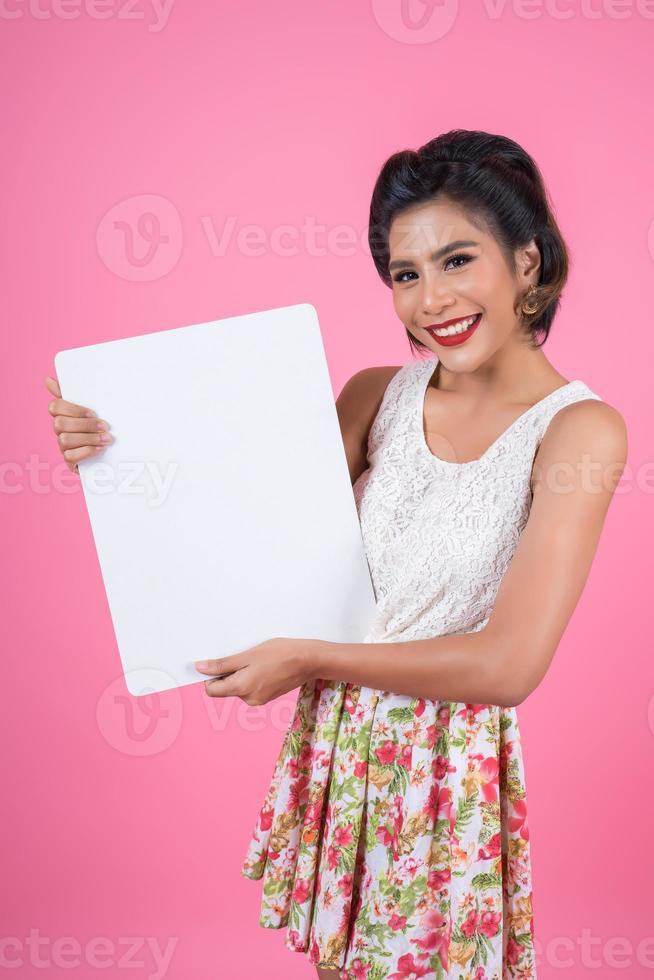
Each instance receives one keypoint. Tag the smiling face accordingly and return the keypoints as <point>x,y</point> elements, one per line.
<point>445,268</point>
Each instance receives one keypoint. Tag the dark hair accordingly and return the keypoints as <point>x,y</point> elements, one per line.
<point>503,191</point>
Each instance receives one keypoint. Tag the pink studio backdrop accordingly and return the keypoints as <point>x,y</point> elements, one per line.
<point>253,133</point>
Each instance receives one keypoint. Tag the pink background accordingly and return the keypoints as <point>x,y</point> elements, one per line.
<point>118,823</point>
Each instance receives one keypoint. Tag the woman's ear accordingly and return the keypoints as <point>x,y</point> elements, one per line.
<point>529,262</point>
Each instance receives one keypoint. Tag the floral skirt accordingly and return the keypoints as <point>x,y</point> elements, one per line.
<point>393,841</point>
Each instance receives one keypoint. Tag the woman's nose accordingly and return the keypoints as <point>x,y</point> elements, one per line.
<point>436,296</point>
<point>436,302</point>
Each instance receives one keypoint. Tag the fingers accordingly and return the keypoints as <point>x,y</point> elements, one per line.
<point>74,456</point>
<point>75,440</point>
<point>236,684</point>
<point>92,431</point>
<point>76,446</point>
<point>61,407</point>
<point>80,433</point>
<point>218,688</point>
<point>211,667</point>
<point>66,423</point>
<point>225,684</point>
<point>75,434</point>
<point>53,386</point>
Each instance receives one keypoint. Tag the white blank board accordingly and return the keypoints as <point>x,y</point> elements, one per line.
<point>222,512</point>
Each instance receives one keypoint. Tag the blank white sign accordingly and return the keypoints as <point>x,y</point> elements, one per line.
<point>222,512</point>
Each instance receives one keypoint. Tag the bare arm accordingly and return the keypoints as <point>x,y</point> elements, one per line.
<point>503,662</point>
<point>357,405</point>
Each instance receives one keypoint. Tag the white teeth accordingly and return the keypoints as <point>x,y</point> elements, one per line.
<point>456,327</point>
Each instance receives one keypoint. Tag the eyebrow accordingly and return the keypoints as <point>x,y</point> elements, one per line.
<point>438,254</point>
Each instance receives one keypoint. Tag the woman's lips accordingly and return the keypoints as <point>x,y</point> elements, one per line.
<point>455,339</point>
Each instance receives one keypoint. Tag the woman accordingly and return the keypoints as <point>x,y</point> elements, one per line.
<point>393,840</point>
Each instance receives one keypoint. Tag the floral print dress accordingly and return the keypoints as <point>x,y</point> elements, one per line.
<point>393,841</point>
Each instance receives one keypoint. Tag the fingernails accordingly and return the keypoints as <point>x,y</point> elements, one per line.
<point>102,425</point>
<point>105,438</point>
<point>91,415</point>
<point>202,664</point>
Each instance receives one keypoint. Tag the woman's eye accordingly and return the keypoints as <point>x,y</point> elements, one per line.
<point>459,255</point>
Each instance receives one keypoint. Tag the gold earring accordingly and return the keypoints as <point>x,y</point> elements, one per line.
<point>529,308</point>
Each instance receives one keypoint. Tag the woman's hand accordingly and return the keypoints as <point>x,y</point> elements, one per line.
<point>264,672</point>
<point>80,432</point>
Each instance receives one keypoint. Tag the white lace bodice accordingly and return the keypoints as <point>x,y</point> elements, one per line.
<point>439,535</point>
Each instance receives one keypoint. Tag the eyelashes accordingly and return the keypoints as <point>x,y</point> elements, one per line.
<point>458,255</point>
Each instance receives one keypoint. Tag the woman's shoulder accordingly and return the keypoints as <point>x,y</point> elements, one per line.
<point>370,377</point>
<point>357,407</point>
<point>588,427</point>
<point>589,416</point>
<point>362,394</point>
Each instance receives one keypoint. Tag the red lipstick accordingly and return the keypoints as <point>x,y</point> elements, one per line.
<point>454,339</point>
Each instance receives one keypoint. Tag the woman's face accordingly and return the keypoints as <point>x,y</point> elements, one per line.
<point>445,268</point>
